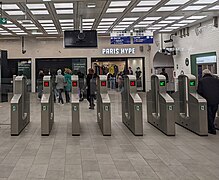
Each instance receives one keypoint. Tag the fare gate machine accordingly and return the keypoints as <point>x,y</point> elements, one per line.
<point>47,107</point>
<point>190,107</point>
<point>217,115</point>
<point>20,106</point>
<point>75,108</point>
<point>103,106</point>
<point>132,106</point>
<point>160,106</point>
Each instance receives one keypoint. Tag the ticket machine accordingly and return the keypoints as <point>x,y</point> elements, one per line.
<point>47,107</point>
<point>160,106</point>
<point>103,106</point>
<point>20,105</point>
<point>75,108</point>
<point>190,107</point>
<point>132,106</point>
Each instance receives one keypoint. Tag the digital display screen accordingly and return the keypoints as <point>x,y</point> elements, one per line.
<point>46,84</point>
<point>103,83</point>
<point>192,83</point>
<point>74,83</point>
<point>132,83</point>
<point>162,83</point>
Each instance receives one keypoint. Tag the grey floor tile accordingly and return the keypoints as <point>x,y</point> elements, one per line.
<point>55,174</point>
<point>38,171</point>
<point>109,172</point>
<point>73,171</point>
<point>18,174</point>
<point>129,175</point>
<point>92,175</point>
<point>5,170</point>
<point>90,165</point>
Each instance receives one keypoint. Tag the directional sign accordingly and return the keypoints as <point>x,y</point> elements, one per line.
<point>3,20</point>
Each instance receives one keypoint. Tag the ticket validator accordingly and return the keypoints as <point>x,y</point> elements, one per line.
<point>190,107</point>
<point>160,106</point>
<point>132,106</point>
<point>47,107</point>
<point>103,106</point>
<point>20,105</point>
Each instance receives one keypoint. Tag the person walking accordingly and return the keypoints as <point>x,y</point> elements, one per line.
<point>91,87</point>
<point>208,88</point>
<point>40,84</point>
<point>60,81</point>
<point>67,77</point>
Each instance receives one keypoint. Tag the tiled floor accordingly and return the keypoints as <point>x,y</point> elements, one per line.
<point>92,156</point>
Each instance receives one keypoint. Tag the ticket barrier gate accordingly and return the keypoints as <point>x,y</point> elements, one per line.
<point>190,107</point>
<point>47,107</point>
<point>75,108</point>
<point>217,115</point>
<point>103,106</point>
<point>20,106</point>
<point>160,106</point>
<point>132,106</point>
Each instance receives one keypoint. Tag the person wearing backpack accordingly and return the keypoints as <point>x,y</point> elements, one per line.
<point>91,87</point>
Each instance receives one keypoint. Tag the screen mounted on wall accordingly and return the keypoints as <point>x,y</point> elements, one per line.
<point>75,39</point>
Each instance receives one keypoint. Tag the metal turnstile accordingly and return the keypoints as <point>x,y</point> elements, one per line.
<point>190,107</point>
<point>103,106</point>
<point>160,106</point>
<point>47,107</point>
<point>217,115</point>
<point>75,108</point>
<point>20,106</point>
<point>132,106</point>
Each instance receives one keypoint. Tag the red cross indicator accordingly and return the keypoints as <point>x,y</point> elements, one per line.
<point>103,83</point>
<point>74,83</point>
<point>132,83</point>
<point>46,84</point>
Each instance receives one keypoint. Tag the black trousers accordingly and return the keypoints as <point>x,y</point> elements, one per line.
<point>90,98</point>
<point>212,110</point>
<point>60,96</point>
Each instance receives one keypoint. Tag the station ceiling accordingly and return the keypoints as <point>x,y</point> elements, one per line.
<point>52,17</point>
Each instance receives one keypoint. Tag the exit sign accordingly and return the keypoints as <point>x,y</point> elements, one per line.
<point>3,20</point>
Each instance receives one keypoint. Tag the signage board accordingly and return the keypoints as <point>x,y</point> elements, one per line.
<point>143,40</point>
<point>121,51</point>
<point>3,20</point>
<point>120,40</point>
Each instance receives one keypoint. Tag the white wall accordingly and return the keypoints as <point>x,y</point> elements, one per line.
<point>53,48</point>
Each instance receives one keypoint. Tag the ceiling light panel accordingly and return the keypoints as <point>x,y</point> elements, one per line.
<point>9,25</point>
<point>168,8</point>
<point>66,20</point>
<point>115,10</point>
<point>141,25</point>
<point>118,29</point>
<point>36,6</point>
<point>148,3</point>
<point>193,8</point>
<point>14,13</point>
<point>214,8</point>
<point>64,11</point>
<point>130,19</point>
<point>31,28</point>
<point>141,9</point>
<point>87,24</point>
<point>165,30</point>
<point>106,23</point>
<point>88,20</point>
<point>103,27</point>
<point>205,1</point>
<point>166,22</point>
<point>47,25</point>
<point>160,25</point>
<point>151,18</point>
<point>154,28</point>
<point>187,21</point>
<point>196,17</point>
<point>63,5</point>
<point>50,27</point>
<point>146,22</point>
<point>177,2</point>
<point>174,17</point>
<point>119,3</point>
<point>23,33</point>
<point>126,22</point>
<point>28,25</point>
<point>45,21</point>
<point>179,25</point>
<point>10,6</point>
<point>108,19</point>
<point>38,12</point>
<point>122,26</point>
<point>172,27</point>
<point>6,34</point>
<point>67,24</point>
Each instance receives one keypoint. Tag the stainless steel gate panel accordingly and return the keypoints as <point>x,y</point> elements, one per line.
<point>20,106</point>
<point>160,106</point>
<point>47,107</point>
<point>103,106</point>
<point>190,108</point>
<point>75,107</point>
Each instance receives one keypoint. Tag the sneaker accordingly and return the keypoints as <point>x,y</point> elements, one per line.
<point>91,107</point>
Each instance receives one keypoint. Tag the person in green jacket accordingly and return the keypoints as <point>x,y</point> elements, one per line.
<point>67,76</point>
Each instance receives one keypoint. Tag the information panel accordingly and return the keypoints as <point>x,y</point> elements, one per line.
<point>120,40</point>
<point>143,40</point>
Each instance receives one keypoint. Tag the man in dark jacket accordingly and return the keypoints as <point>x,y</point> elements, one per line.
<point>208,87</point>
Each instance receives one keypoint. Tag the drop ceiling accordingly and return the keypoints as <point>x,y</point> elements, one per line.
<point>52,17</point>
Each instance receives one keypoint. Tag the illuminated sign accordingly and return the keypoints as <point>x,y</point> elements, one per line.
<point>103,83</point>
<point>114,51</point>
<point>74,83</point>
<point>192,83</point>
<point>162,83</point>
<point>132,83</point>
<point>46,84</point>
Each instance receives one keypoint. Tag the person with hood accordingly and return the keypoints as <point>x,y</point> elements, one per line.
<point>67,77</point>
<point>60,82</point>
<point>208,88</point>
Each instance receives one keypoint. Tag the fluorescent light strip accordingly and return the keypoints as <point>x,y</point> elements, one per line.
<point>177,2</point>
<point>141,9</point>
<point>193,8</point>
<point>174,17</point>
<point>166,22</point>
<point>36,6</point>
<point>115,10</point>
<point>36,12</point>
<point>187,21</point>
<point>108,19</point>
<point>152,18</point>
<point>88,20</point>
<point>14,13</point>
<point>66,20</point>
<point>126,22</point>
<point>10,6</point>
<point>45,21</point>
<point>119,3</point>
<point>64,11</point>
<point>130,19</point>
<point>47,25</point>
<point>106,23</point>
<point>50,28</point>
<point>214,8</point>
<point>197,17</point>
<point>63,5</point>
<point>146,22</point>
<point>67,24</point>
<point>180,25</point>
<point>205,1</point>
<point>148,3</point>
<point>168,8</point>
